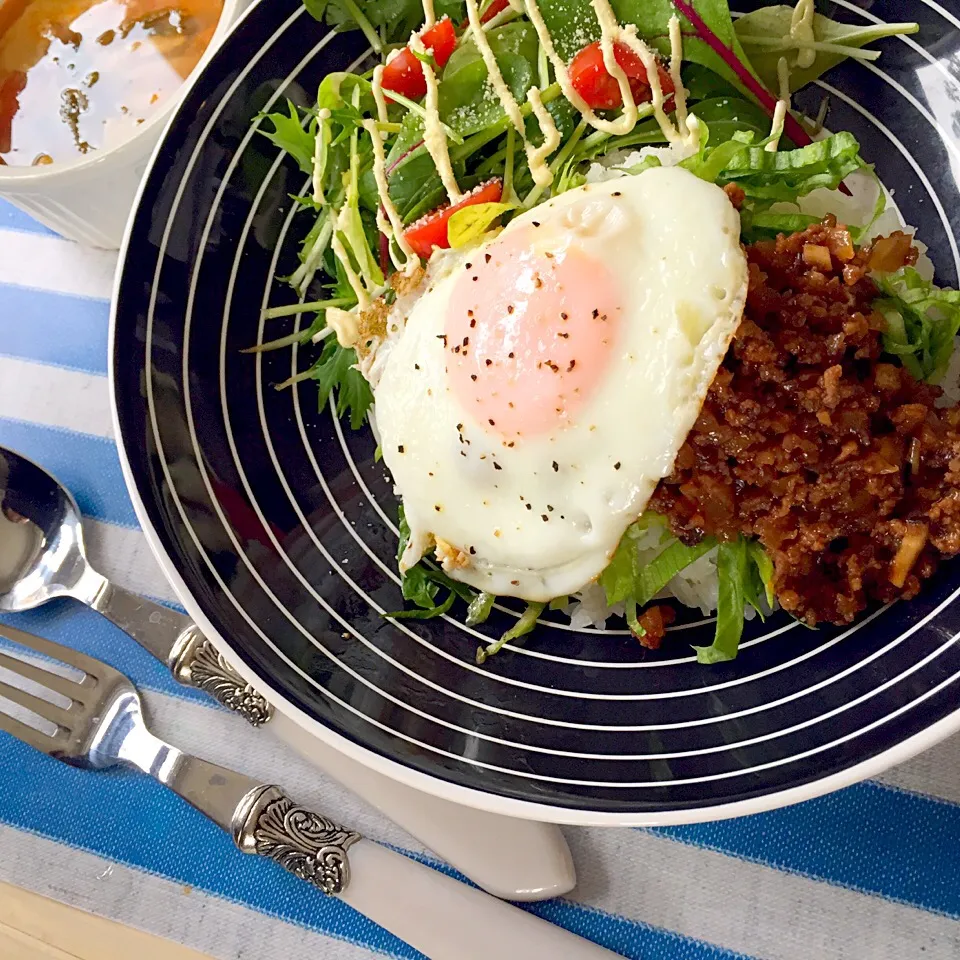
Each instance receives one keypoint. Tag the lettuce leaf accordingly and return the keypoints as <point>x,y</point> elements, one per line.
<point>467,101</point>
<point>479,609</point>
<point>765,33</point>
<point>471,223</point>
<point>760,224</point>
<point>745,575</point>
<point>386,21</point>
<point>340,383</point>
<point>626,580</point>
<point>922,322</point>
<point>290,134</point>
<point>523,626</point>
<point>650,579</point>
<point>619,576</point>
<point>780,175</point>
<point>733,568</point>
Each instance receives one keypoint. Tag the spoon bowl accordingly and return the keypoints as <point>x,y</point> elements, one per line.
<point>41,539</point>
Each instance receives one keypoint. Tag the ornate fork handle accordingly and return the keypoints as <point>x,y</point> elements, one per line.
<point>311,847</point>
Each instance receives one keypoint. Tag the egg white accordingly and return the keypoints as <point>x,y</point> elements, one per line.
<point>673,241</point>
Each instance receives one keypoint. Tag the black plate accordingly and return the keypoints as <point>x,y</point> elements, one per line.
<point>281,527</point>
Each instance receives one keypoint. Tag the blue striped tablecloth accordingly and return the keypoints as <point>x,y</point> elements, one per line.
<point>871,872</point>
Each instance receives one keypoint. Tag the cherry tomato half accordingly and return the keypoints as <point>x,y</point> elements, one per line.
<point>600,90</point>
<point>403,73</point>
<point>431,231</point>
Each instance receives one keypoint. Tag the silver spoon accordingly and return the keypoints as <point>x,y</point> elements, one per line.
<point>42,558</point>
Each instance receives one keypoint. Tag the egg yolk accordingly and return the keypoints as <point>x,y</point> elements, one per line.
<point>531,334</point>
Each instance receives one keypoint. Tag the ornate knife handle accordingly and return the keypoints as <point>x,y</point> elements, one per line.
<point>196,662</point>
<point>311,847</point>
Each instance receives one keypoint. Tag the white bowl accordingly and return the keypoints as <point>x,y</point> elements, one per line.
<point>89,199</point>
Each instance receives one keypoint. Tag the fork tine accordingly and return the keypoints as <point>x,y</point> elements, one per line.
<point>42,708</point>
<point>30,736</point>
<point>47,648</point>
<point>62,685</point>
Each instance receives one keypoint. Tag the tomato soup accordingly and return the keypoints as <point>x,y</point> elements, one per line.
<point>77,76</point>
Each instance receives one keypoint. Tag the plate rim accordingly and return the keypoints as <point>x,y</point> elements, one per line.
<point>396,770</point>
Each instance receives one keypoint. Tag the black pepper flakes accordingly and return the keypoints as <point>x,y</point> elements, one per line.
<point>529,506</point>
<point>544,517</point>
<point>416,366</point>
<point>617,465</point>
<point>473,376</point>
<point>572,364</point>
<point>536,223</point>
<point>556,467</point>
<point>509,308</point>
<point>437,507</point>
<point>596,313</point>
<point>617,193</point>
<point>492,424</point>
<point>496,466</point>
<point>473,551</point>
<point>443,337</point>
<point>400,448</point>
<point>488,362</point>
<point>487,257</point>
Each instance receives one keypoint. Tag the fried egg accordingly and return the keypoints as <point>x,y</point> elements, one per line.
<point>543,383</point>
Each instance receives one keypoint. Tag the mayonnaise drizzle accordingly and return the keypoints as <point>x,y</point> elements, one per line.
<point>381,101</point>
<point>676,58</point>
<point>345,324</point>
<point>801,29</point>
<point>319,154</point>
<point>434,138</point>
<point>429,16</point>
<point>783,104</point>
<point>393,229</point>
<point>537,156</point>
<point>363,299</point>
<point>783,79</point>
<point>510,106</point>
<point>776,128</point>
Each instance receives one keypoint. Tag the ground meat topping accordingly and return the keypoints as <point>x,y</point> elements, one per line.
<point>654,621</point>
<point>837,460</point>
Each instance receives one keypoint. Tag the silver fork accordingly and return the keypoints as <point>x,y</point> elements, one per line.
<point>103,726</point>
